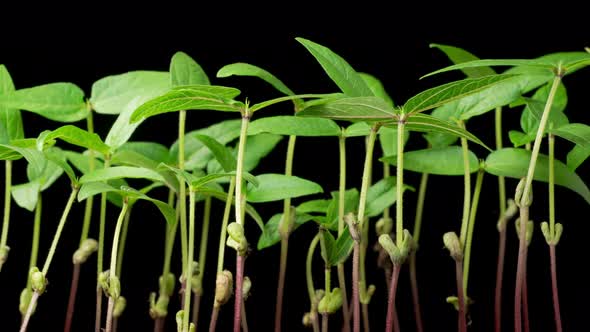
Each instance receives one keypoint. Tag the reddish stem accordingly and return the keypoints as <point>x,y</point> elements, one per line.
<point>196,307</point>
<point>281,286</point>
<point>365,308</point>
<point>244,320</point>
<point>525,299</point>
<point>98,313</point>
<point>159,324</point>
<point>72,299</point>
<point>32,303</point>
<point>556,310</point>
<point>324,322</point>
<point>462,326</point>
<point>238,294</point>
<point>499,279</point>
<point>110,309</point>
<point>356,311</point>
<point>213,322</point>
<point>520,269</point>
<point>415,293</point>
<point>115,324</point>
<point>392,321</point>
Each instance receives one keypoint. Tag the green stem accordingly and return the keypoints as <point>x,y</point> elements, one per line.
<point>89,200</point>
<point>223,233</point>
<point>113,265</point>
<point>366,174</point>
<point>341,198</point>
<point>524,204</point>
<point>399,204</point>
<point>420,208</point>
<point>123,241</point>
<point>473,213</point>
<point>7,201</point>
<point>182,191</point>
<point>36,232</point>
<point>187,271</point>
<point>551,184</point>
<point>308,269</point>
<point>202,256</point>
<point>103,214</point>
<point>170,237</point>
<point>416,239</point>
<point>501,180</point>
<point>386,174</point>
<point>467,188</point>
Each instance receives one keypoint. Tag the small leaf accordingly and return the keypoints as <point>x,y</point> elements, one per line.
<point>111,94</point>
<point>95,188</point>
<point>195,97</point>
<point>31,154</point>
<point>222,154</point>
<point>258,147</point>
<point>119,172</point>
<point>316,205</point>
<point>197,183</point>
<point>62,102</point>
<point>351,108</point>
<point>533,112</point>
<point>426,123</point>
<point>291,125</point>
<point>577,156</point>
<point>270,232</point>
<point>388,140</point>
<point>440,161</point>
<point>514,163</point>
<point>381,195</point>
<point>223,197</point>
<point>357,129</point>
<point>166,210</point>
<point>446,112</point>
<point>121,130</point>
<point>345,77</point>
<point>245,69</point>
<point>186,71</point>
<point>82,161</point>
<point>26,195</point>
<point>270,102</point>
<point>459,55</point>
<point>274,187</point>
<point>151,150</point>
<point>59,158</point>
<point>351,202</point>
<point>11,123</point>
<point>377,88</point>
<point>76,136</point>
<point>577,133</point>
<point>327,244</point>
<point>342,248</point>
<point>518,138</point>
<point>445,93</point>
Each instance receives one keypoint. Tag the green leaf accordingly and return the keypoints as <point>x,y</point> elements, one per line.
<point>531,115</point>
<point>186,71</point>
<point>518,138</point>
<point>271,102</point>
<point>442,161</point>
<point>223,197</point>
<point>426,123</point>
<point>31,154</point>
<point>459,55</point>
<point>514,163</point>
<point>577,133</point>
<point>357,129</point>
<point>197,183</point>
<point>274,187</point>
<point>195,97</point>
<point>445,112</point>
<point>120,172</point>
<point>316,205</point>
<point>270,231</point>
<point>341,248</point>
<point>95,188</point>
<point>345,77</point>
<point>58,156</point>
<point>381,195</point>
<point>222,154</point>
<point>351,202</point>
<point>76,136</point>
<point>26,195</point>
<point>151,150</point>
<point>577,156</point>
<point>445,93</point>
<point>245,69</point>
<point>258,147</point>
<point>291,125</point>
<point>63,102</point>
<point>11,123</point>
<point>166,210</point>
<point>388,140</point>
<point>82,161</point>
<point>377,88</point>
<point>351,108</point>
<point>111,94</point>
<point>327,244</point>
<point>122,129</point>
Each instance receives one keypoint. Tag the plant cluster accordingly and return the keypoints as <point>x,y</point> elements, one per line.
<point>219,162</point>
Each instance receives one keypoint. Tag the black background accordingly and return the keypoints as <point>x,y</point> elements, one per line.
<point>390,42</point>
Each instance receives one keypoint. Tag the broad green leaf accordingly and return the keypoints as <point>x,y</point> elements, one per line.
<point>388,140</point>
<point>222,154</point>
<point>63,102</point>
<point>426,123</point>
<point>111,94</point>
<point>445,93</point>
<point>197,183</point>
<point>577,156</point>
<point>445,112</point>
<point>345,77</point>
<point>291,125</point>
<point>220,195</point>
<point>316,205</point>
<point>26,195</point>
<point>50,174</point>
<point>351,108</point>
<point>122,129</point>
<point>258,147</point>
<point>82,161</point>
<point>11,123</point>
<point>577,133</point>
<point>133,158</point>
<point>245,69</point>
<point>95,188</point>
<point>196,97</point>
<point>497,95</point>
<point>327,244</point>
<point>76,136</point>
<point>514,163</point>
<point>151,150</point>
<point>357,129</point>
<point>120,172</point>
<point>459,55</point>
<point>186,71</point>
<point>377,88</point>
<point>33,156</point>
<point>381,195</point>
<point>274,187</point>
<point>518,138</point>
<point>341,248</point>
<point>351,202</point>
<point>531,115</point>
<point>442,161</point>
<point>58,157</point>
<point>271,102</point>
<point>196,154</point>
<point>270,232</point>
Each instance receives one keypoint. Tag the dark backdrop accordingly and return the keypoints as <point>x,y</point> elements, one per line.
<point>390,42</point>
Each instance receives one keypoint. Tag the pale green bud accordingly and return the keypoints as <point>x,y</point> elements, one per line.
<point>353,226</point>
<point>331,302</point>
<point>237,239</point>
<point>223,287</point>
<point>246,287</point>
<point>158,309</point>
<point>453,244</point>
<point>120,304</point>
<point>25,300</point>
<point>4,250</point>
<point>87,248</point>
<point>518,199</point>
<point>167,284</point>
<point>285,230</point>
<point>38,280</point>
<point>384,226</point>
<point>530,226</point>
<point>366,294</point>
